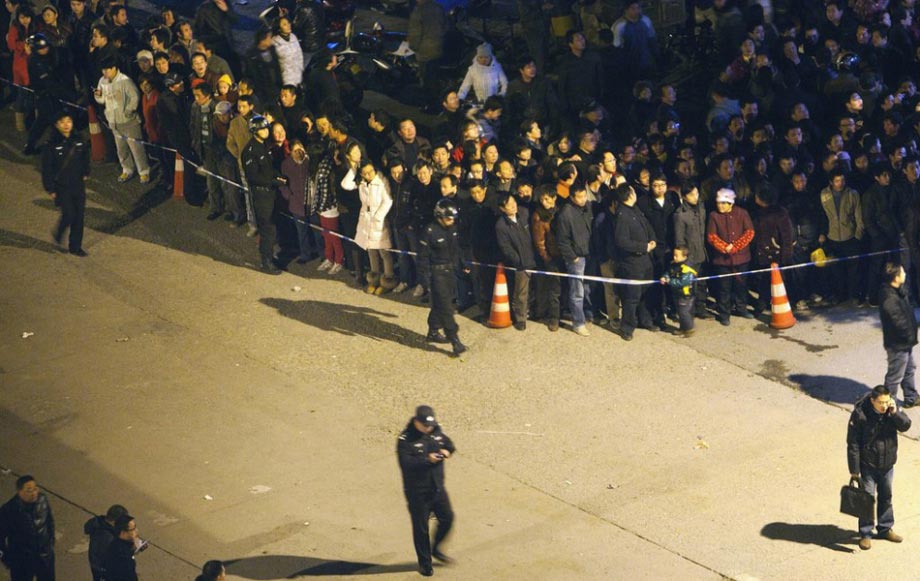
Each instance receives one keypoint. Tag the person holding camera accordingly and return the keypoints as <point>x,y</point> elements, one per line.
<point>422,449</point>
<point>872,450</point>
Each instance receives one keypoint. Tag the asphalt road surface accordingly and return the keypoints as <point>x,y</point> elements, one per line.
<point>253,419</point>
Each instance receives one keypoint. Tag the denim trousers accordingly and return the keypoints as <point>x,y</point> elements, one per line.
<point>900,373</point>
<point>880,484</point>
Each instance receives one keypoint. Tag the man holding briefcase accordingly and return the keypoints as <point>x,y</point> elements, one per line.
<point>872,450</point>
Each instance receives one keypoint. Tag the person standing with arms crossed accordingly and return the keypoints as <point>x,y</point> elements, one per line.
<point>422,449</point>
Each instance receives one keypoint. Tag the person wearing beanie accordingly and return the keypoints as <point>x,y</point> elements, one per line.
<point>485,76</point>
<point>730,232</point>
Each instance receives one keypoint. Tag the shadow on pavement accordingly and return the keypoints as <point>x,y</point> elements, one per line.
<point>828,536</point>
<point>17,240</point>
<point>830,388</point>
<point>291,567</point>
<point>349,320</point>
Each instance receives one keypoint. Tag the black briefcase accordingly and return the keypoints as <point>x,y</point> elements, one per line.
<point>855,501</point>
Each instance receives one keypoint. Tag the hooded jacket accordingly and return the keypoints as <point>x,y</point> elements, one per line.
<point>484,80</point>
<point>101,535</point>
<point>872,438</point>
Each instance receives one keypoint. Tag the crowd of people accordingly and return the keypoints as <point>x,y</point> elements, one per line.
<point>580,164</point>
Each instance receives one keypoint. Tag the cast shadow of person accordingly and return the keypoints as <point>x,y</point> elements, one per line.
<point>830,388</point>
<point>828,536</point>
<point>264,567</point>
<point>349,320</point>
<point>16,240</point>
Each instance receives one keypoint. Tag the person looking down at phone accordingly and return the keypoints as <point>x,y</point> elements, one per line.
<point>872,450</point>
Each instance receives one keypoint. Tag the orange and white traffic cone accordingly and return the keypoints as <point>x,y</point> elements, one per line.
<point>96,138</point>
<point>500,317</point>
<point>179,179</point>
<point>782,310</point>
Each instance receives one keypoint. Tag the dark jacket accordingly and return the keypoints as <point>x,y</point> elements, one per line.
<point>630,241</point>
<point>257,163</point>
<point>661,218</point>
<point>690,231</point>
<point>899,324</point>
<point>412,448</point>
<point>477,230</point>
<point>773,237</point>
<point>427,29</point>
<point>602,235</point>
<point>175,114</point>
<point>265,74</point>
<point>573,231</point>
<point>581,79</point>
<point>423,199</point>
<point>877,215</point>
<point>65,162</point>
<point>299,190</point>
<point>101,535</point>
<point>310,25</point>
<point>26,530</point>
<point>544,239</point>
<point>119,561</point>
<point>515,241</point>
<point>872,438</point>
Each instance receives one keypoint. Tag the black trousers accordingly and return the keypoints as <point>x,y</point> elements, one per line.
<point>46,109</point>
<point>421,505</point>
<point>843,278</point>
<point>73,209</point>
<point>263,202</point>
<point>733,290</point>
<point>443,293</point>
<point>32,569</point>
<point>635,297</point>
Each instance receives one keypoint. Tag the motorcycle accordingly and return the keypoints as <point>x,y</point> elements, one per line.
<point>333,15</point>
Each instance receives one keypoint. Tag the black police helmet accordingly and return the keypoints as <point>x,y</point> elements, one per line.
<point>445,208</point>
<point>38,41</point>
<point>258,122</point>
<point>172,79</point>
<point>846,61</point>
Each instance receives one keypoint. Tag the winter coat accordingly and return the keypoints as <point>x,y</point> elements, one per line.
<point>421,477</point>
<point>101,535</point>
<point>427,28</point>
<point>121,99</point>
<point>310,24</point>
<point>325,201</point>
<point>690,231</point>
<point>515,241</point>
<point>872,438</point>
<point>899,324</point>
<point>484,80</point>
<point>16,42</point>
<point>299,189</point>
<point>174,112</point>
<point>199,120</point>
<point>847,223</point>
<point>119,561</point>
<point>735,228</point>
<point>238,136</point>
<point>660,217</point>
<point>265,74</point>
<point>26,530</point>
<point>573,231</point>
<point>581,79</point>
<point>290,56</point>
<point>773,236</point>
<point>631,237</point>
<point>877,214</point>
<point>373,232</point>
<point>544,239</point>
<point>151,119</point>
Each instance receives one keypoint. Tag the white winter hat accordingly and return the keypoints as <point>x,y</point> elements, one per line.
<point>725,195</point>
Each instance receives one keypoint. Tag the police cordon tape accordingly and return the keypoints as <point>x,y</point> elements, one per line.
<point>199,169</point>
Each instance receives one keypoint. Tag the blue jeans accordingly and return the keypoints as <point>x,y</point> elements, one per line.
<point>305,238</point>
<point>879,482</point>
<point>900,373</point>
<point>579,303</point>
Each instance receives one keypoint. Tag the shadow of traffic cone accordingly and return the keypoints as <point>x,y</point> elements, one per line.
<point>782,311</point>
<point>96,139</point>
<point>500,317</point>
<point>179,179</point>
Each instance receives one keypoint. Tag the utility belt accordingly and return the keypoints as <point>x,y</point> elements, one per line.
<point>442,267</point>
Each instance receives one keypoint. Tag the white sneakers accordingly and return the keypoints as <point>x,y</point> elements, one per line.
<point>325,265</point>
<point>335,269</point>
<point>582,330</point>
<point>418,291</point>
<point>401,287</point>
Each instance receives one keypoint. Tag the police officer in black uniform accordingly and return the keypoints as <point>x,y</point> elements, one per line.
<point>48,75</point>
<point>422,449</point>
<point>65,168</point>
<point>262,179</point>
<point>439,259</point>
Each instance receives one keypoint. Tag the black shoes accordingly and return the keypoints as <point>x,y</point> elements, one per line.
<point>436,336</point>
<point>425,571</point>
<point>269,267</point>
<point>213,216</point>
<point>459,348</point>
<point>439,556</point>
<point>56,236</point>
<point>743,313</point>
<point>520,325</point>
<point>81,253</point>
<point>911,404</point>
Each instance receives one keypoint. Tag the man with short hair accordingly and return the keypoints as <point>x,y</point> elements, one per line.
<point>408,145</point>
<point>899,331</point>
<point>872,451</point>
<point>581,77</point>
<point>27,533</point>
<point>512,230</point>
<point>121,98</point>
<point>573,235</point>
<point>422,449</point>
<point>119,561</point>
<point>101,531</point>
<point>841,235</point>
<point>65,168</point>
<point>633,242</point>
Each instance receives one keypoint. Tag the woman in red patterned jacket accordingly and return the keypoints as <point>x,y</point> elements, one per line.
<point>20,29</point>
<point>730,232</point>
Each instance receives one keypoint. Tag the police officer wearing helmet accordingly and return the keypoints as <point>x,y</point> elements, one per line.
<point>422,449</point>
<point>438,261</point>
<point>47,77</point>
<point>262,179</point>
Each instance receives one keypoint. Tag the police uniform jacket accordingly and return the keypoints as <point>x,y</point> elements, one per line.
<point>65,162</point>
<point>257,163</point>
<point>438,246</point>
<point>419,475</point>
<point>26,530</point>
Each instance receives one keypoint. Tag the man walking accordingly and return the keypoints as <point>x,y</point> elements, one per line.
<point>899,329</point>
<point>101,531</point>
<point>119,560</point>
<point>27,533</point>
<point>422,449</point>
<point>872,450</point>
<point>65,167</point>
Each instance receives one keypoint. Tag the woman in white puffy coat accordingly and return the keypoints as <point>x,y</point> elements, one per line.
<point>485,76</point>
<point>290,55</point>
<point>373,233</point>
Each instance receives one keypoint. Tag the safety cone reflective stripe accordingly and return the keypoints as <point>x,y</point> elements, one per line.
<point>782,311</point>
<point>96,139</point>
<point>179,179</point>
<point>500,317</point>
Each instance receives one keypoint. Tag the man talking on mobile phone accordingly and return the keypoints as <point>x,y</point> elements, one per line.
<point>872,450</point>
<point>422,449</point>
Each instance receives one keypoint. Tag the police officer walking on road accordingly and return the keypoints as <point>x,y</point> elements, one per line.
<point>872,450</point>
<point>438,261</point>
<point>262,179</point>
<point>422,449</point>
<point>65,168</point>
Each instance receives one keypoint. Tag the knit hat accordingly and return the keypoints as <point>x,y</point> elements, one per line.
<point>725,195</point>
<point>484,49</point>
<point>145,54</point>
<point>50,7</point>
<point>225,79</point>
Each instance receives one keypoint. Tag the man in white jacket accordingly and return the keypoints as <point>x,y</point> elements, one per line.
<point>121,98</point>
